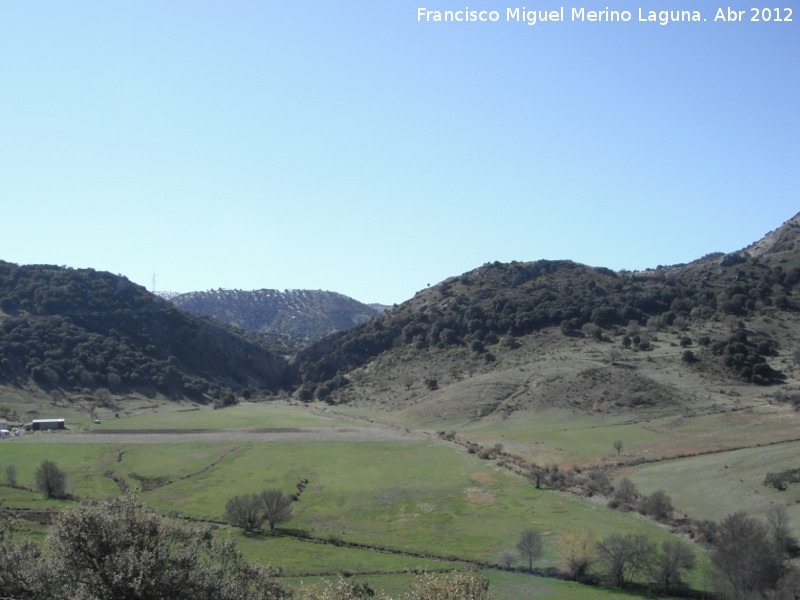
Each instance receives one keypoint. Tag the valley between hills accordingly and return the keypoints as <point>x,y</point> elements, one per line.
<point>548,396</point>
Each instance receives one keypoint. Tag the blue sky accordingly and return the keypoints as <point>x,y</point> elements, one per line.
<point>346,146</point>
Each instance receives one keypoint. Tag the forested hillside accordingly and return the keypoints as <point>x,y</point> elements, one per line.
<point>498,302</point>
<point>73,329</point>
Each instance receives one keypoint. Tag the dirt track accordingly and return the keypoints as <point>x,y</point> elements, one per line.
<point>218,436</point>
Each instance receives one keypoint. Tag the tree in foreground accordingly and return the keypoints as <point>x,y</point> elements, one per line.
<point>21,577</point>
<point>277,507</point>
<point>123,549</point>
<point>246,511</point>
<point>50,480</point>
<point>530,546</point>
<point>21,574</point>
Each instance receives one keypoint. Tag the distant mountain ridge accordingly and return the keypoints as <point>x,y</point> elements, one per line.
<point>299,314</point>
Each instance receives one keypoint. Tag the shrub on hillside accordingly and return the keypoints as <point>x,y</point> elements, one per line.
<point>744,357</point>
<point>657,505</point>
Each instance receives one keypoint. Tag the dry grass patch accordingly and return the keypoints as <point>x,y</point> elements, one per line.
<point>483,477</point>
<point>480,496</point>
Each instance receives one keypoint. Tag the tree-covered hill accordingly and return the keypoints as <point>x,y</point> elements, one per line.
<point>83,329</point>
<point>498,302</point>
<point>76,329</point>
<point>298,314</point>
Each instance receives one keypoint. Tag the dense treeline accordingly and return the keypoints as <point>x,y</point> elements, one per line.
<point>498,302</point>
<point>83,329</point>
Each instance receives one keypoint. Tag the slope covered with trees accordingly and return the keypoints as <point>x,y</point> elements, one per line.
<point>84,329</point>
<point>499,302</point>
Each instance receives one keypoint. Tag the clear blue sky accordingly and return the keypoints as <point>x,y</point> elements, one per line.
<point>343,145</point>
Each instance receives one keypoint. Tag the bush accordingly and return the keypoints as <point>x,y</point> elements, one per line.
<point>577,553</point>
<point>122,549</point>
<point>621,557</point>
<point>530,546</point>
<point>50,480</point>
<point>23,576</point>
<point>625,493</point>
<point>668,565</point>
<point>781,480</point>
<point>335,590</point>
<point>246,512</point>
<point>745,558</point>
<point>277,507</point>
<point>657,505</point>
<point>11,476</point>
<point>459,586</point>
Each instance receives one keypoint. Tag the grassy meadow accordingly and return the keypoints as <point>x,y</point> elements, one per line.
<point>715,485</point>
<point>417,496</point>
<point>244,416</point>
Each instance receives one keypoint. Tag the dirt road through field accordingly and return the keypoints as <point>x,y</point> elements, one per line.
<point>220,436</point>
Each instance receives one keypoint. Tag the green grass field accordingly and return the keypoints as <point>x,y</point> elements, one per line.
<point>505,586</point>
<point>714,485</point>
<point>304,558</point>
<point>557,436</point>
<point>415,496</point>
<point>244,416</point>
